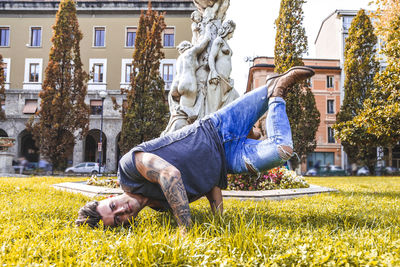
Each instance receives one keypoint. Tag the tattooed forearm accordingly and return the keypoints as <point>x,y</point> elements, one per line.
<point>175,194</point>
<point>153,175</point>
<point>157,170</point>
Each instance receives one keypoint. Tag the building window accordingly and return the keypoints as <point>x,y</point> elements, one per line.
<point>330,106</point>
<point>30,106</point>
<point>347,22</point>
<point>36,36</point>
<point>99,36</point>
<point>320,159</point>
<point>34,72</point>
<point>128,73</point>
<point>130,36</point>
<point>98,70</point>
<point>5,71</point>
<point>95,107</point>
<point>331,135</point>
<point>329,81</point>
<point>168,75</point>
<point>98,73</point>
<point>169,37</point>
<point>4,36</point>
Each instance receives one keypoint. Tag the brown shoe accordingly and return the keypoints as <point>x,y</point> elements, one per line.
<point>277,85</point>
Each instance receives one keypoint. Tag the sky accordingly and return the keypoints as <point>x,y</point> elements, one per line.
<point>255,32</point>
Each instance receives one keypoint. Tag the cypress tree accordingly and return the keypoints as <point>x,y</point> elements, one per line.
<point>385,100</point>
<point>360,67</point>
<point>63,112</point>
<point>290,45</point>
<point>379,121</point>
<point>2,89</point>
<point>145,115</point>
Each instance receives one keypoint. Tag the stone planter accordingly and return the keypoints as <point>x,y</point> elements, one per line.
<point>5,156</point>
<point>6,162</point>
<point>279,194</point>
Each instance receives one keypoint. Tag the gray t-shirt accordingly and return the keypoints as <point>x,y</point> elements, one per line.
<point>195,150</point>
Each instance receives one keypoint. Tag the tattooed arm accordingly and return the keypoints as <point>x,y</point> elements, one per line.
<point>157,170</point>
<point>215,199</point>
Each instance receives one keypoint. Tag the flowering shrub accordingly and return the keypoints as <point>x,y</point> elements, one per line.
<point>278,178</point>
<point>112,183</point>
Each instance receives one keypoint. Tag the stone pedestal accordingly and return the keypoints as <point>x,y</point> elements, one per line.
<point>6,162</point>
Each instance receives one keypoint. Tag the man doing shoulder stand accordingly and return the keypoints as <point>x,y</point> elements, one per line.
<point>171,171</point>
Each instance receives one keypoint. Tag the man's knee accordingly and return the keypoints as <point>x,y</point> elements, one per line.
<point>285,152</point>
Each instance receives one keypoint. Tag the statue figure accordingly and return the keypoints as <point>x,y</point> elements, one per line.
<point>197,26</point>
<point>203,4</point>
<point>202,83</point>
<point>220,85</point>
<point>219,10</point>
<point>223,7</point>
<point>182,98</point>
<point>184,85</point>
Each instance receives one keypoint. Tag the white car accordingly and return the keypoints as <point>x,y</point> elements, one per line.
<point>363,171</point>
<point>85,167</point>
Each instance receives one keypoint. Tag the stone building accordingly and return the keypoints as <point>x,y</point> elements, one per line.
<point>325,85</point>
<point>109,30</point>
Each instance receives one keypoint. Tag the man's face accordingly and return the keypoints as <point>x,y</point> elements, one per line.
<point>118,210</point>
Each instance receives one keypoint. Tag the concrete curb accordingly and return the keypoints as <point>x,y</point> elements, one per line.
<point>279,194</point>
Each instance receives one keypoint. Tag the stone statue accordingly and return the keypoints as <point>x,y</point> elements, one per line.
<point>203,4</point>
<point>184,84</point>
<point>202,83</point>
<point>219,9</point>
<point>183,95</point>
<point>220,85</point>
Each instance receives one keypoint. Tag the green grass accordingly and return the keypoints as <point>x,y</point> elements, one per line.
<point>357,226</point>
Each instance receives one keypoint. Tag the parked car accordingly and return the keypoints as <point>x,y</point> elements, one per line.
<point>388,170</point>
<point>312,172</point>
<point>333,170</point>
<point>363,171</point>
<point>391,170</point>
<point>85,167</point>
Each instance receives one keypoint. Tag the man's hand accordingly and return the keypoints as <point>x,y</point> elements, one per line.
<point>157,170</point>
<point>215,199</point>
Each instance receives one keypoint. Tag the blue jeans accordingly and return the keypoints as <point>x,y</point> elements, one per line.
<point>235,121</point>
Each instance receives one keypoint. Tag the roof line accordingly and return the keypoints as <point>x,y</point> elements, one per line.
<point>325,59</point>
<point>338,12</point>
<point>262,65</point>
<point>322,23</point>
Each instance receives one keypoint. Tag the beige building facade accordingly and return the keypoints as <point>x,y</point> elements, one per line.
<point>109,29</point>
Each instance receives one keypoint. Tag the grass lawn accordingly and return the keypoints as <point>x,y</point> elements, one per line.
<point>360,225</point>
